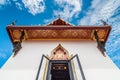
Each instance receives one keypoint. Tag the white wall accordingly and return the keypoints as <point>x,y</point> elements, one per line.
<point>25,65</point>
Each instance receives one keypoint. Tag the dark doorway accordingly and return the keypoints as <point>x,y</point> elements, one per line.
<point>60,71</point>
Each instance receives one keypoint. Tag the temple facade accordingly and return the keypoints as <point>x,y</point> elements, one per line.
<point>59,51</point>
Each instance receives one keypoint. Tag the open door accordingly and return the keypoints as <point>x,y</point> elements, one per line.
<point>60,67</point>
<point>60,71</point>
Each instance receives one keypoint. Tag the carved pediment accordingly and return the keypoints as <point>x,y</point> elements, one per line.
<point>59,21</point>
<point>59,53</point>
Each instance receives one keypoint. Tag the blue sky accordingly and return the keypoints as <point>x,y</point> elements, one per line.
<point>77,12</point>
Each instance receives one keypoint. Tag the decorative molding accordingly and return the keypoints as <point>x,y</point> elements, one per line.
<point>78,33</point>
<point>17,45</point>
<point>100,44</point>
<point>59,53</point>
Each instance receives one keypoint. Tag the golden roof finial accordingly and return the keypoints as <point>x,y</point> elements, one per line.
<point>59,16</point>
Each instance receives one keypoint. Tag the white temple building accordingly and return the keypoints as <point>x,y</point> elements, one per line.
<point>59,51</point>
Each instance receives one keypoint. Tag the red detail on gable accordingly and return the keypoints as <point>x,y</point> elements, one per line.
<point>59,21</point>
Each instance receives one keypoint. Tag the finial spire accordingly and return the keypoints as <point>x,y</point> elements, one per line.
<point>104,23</point>
<point>59,16</point>
<point>14,22</point>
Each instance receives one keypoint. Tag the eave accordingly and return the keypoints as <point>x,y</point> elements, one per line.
<point>58,32</point>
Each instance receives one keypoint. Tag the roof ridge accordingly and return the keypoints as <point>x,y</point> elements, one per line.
<point>59,21</point>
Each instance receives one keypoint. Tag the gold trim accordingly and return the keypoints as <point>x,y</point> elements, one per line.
<point>26,35</point>
<point>59,39</point>
<point>69,37</point>
<point>11,33</point>
<point>66,55</point>
<point>73,65</point>
<point>92,34</point>
<point>45,70</point>
<point>106,34</point>
<point>70,56</point>
<point>102,40</point>
<point>16,40</point>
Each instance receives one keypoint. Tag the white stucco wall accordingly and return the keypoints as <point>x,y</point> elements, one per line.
<point>25,65</point>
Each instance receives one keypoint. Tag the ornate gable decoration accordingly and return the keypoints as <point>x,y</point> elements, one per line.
<point>59,21</point>
<point>59,53</point>
<point>58,29</point>
<point>58,32</point>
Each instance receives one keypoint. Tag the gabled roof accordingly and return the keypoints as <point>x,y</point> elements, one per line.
<point>59,21</point>
<point>58,32</point>
<point>58,29</point>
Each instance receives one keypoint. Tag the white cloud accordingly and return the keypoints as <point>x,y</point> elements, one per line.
<point>113,43</point>
<point>3,53</point>
<point>116,58</point>
<point>15,0</point>
<point>34,6</point>
<point>114,38</point>
<point>18,5</point>
<point>107,10</point>
<point>4,2</point>
<point>3,56</point>
<point>70,8</point>
<point>100,9</point>
<point>47,21</point>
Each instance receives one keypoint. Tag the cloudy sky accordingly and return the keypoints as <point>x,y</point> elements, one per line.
<point>77,12</point>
